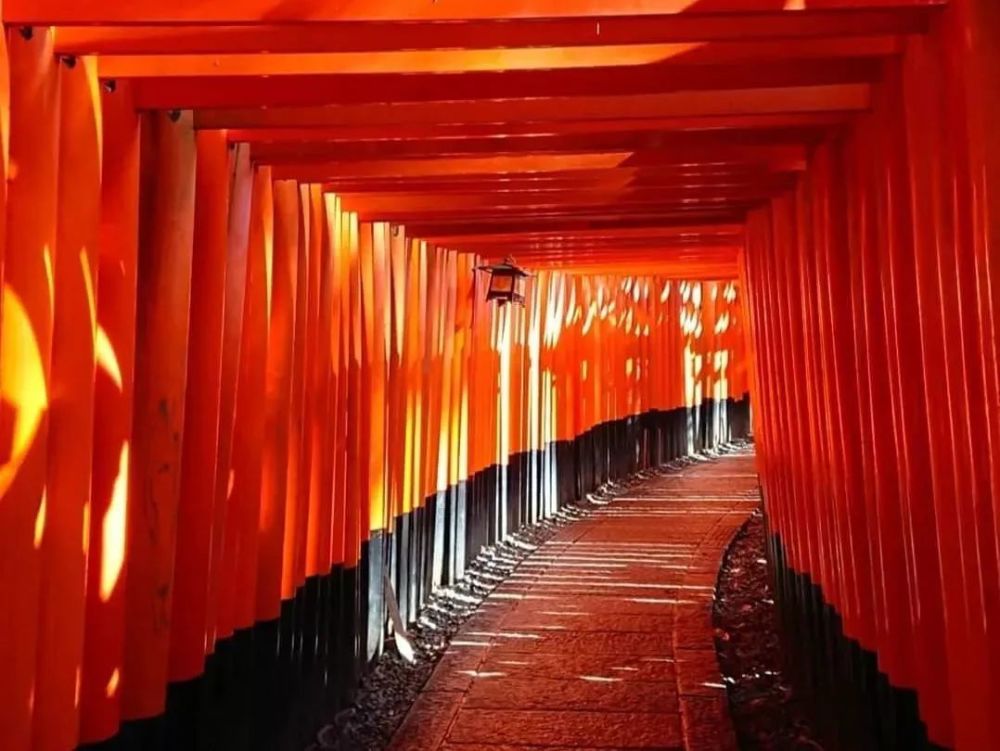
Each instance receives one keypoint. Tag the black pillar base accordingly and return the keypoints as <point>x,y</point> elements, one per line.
<point>855,705</point>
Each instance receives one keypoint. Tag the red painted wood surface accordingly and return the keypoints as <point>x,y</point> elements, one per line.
<point>25,359</point>
<point>884,241</point>
<point>166,236</point>
<point>239,342</point>
<point>68,504</point>
<point>101,666</point>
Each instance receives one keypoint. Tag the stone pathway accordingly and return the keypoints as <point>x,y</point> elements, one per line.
<point>603,637</point>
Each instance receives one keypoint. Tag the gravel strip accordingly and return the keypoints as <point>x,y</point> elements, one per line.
<point>766,711</point>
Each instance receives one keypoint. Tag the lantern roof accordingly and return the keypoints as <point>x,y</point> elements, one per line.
<point>506,266</point>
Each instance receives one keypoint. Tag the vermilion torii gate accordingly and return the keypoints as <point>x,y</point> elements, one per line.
<point>246,364</point>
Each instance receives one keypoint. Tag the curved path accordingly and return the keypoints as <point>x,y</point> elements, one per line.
<point>603,637</point>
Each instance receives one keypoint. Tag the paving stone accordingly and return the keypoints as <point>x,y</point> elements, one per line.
<point>542,620</point>
<point>607,603</point>
<point>707,726</point>
<point>562,666</point>
<point>698,673</point>
<point>427,722</point>
<point>585,642</point>
<point>508,747</point>
<point>573,729</point>
<point>692,635</point>
<point>599,690</point>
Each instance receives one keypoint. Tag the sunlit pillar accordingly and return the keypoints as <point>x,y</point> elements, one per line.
<point>356,476</point>
<point>100,689</point>
<point>25,348</point>
<point>339,375</point>
<point>68,510</point>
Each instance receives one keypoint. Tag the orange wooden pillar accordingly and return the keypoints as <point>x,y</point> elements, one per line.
<point>4,149</point>
<point>101,674</point>
<point>340,342</point>
<point>362,393</point>
<point>975,22</point>
<point>320,419</point>
<point>296,490</point>
<point>431,389</point>
<point>831,434</point>
<point>166,229</point>
<point>941,342</point>
<point>25,348</point>
<point>443,412</point>
<point>816,456</point>
<point>340,404</point>
<point>71,389</point>
<point>414,357</point>
<point>368,454</point>
<point>339,377</point>
<point>237,241</point>
<point>455,367</point>
<point>396,419</point>
<point>373,257</point>
<point>316,215</point>
<point>356,474</point>
<point>974,322</point>
<point>196,510</point>
<point>460,473</point>
<point>277,399</point>
<point>237,606</point>
<point>546,412</point>
<point>517,407</point>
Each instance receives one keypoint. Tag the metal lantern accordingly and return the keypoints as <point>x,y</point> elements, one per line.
<point>506,282</point>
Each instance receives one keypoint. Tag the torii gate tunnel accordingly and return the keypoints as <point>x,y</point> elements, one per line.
<point>250,379</point>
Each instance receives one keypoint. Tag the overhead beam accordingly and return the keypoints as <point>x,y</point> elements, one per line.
<point>468,190</point>
<point>412,62</point>
<point>705,271</point>
<point>445,232</point>
<point>277,38</point>
<point>524,250</point>
<point>390,207</point>
<point>319,172</point>
<point>665,209</point>
<point>438,132</point>
<point>629,263</point>
<point>653,251</point>
<point>695,144</point>
<point>610,243</point>
<point>646,214</point>
<point>782,156</point>
<point>725,253</point>
<point>666,177</point>
<point>717,103</point>
<point>315,90</point>
<point>73,12</point>
<point>661,233</point>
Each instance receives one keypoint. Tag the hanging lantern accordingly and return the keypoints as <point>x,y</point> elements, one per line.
<point>506,282</point>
